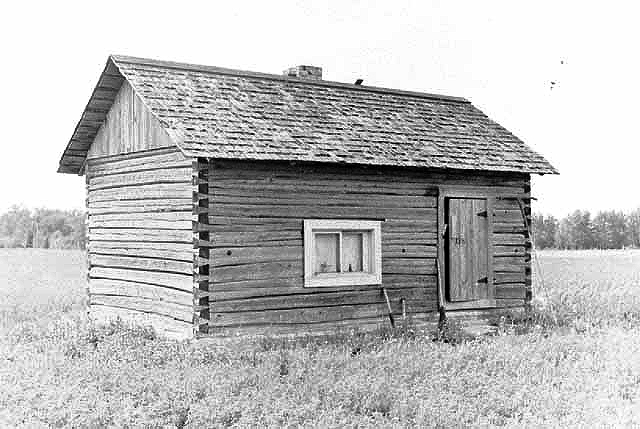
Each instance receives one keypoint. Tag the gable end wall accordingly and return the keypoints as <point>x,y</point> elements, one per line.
<point>129,127</point>
<point>141,241</point>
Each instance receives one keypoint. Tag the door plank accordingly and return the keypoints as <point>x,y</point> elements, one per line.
<point>468,249</point>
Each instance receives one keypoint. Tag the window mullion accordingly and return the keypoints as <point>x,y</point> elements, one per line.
<point>339,267</point>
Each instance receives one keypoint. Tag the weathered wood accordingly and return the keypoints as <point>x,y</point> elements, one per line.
<point>311,211</point>
<point>142,290</point>
<point>148,235</point>
<point>147,177</point>
<point>271,197</point>
<point>418,297</point>
<point>509,277</point>
<point>511,291</point>
<point>140,223</point>
<point>176,311</point>
<point>176,281</point>
<point>468,250</point>
<point>499,251</point>
<point>129,126</point>
<point>259,208</point>
<point>156,191</point>
<point>171,251</point>
<point>258,271</point>
<point>509,239</point>
<point>222,256</point>
<point>129,262</point>
<point>119,207</point>
<point>409,266</point>
<point>302,315</point>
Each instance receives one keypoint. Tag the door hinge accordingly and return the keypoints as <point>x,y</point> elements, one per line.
<point>483,280</point>
<point>483,214</point>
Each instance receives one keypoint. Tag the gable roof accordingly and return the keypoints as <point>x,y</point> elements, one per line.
<point>230,114</point>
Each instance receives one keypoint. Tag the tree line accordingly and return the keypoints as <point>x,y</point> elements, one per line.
<point>43,228</point>
<point>580,230</point>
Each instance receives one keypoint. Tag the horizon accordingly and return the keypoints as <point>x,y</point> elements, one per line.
<point>566,91</point>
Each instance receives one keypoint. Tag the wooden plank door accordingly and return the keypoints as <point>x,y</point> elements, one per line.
<point>468,249</point>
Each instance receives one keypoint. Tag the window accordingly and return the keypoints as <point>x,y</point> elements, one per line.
<point>342,253</point>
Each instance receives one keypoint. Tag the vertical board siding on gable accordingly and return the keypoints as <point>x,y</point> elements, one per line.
<point>129,127</point>
<point>256,220</point>
<point>140,239</point>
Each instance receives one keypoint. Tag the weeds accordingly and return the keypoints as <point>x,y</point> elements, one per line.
<point>573,364</point>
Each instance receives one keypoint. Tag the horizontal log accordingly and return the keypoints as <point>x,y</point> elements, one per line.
<point>149,235</point>
<point>172,190</point>
<point>330,198</point>
<point>129,262</point>
<point>512,215</point>
<point>508,251</point>
<point>508,277</point>
<point>313,211</point>
<point>409,251</point>
<point>163,325</point>
<point>508,239</point>
<point>260,238</point>
<point>186,225</point>
<point>175,311</point>
<point>140,206</point>
<point>174,251</point>
<point>509,228</point>
<point>409,266</point>
<point>306,315</point>
<point>168,216</point>
<point>222,256</point>
<point>510,291</point>
<point>141,161</point>
<point>502,204</point>
<point>289,286</point>
<point>405,239</point>
<point>417,297</point>
<point>141,290</point>
<point>162,175</point>
<point>257,271</point>
<point>176,281</point>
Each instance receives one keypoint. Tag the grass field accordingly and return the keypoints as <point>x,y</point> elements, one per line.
<point>574,362</point>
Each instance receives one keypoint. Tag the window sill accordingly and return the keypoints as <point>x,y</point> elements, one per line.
<point>343,279</point>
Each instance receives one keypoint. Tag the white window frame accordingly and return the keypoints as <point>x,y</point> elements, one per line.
<point>314,226</point>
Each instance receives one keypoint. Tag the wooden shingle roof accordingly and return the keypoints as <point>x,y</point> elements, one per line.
<point>229,114</point>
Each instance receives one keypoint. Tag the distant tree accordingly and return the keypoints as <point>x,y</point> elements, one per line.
<point>633,227</point>
<point>15,227</point>
<point>544,231</point>
<point>576,231</point>
<point>45,228</point>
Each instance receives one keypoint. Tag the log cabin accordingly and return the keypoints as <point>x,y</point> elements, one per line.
<point>225,202</point>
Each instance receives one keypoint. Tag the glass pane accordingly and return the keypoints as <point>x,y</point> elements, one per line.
<point>351,252</point>
<point>326,256</point>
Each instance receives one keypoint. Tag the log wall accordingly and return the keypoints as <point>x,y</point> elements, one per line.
<point>140,239</point>
<point>256,212</point>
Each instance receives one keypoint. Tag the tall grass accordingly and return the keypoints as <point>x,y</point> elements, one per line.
<point>579,368</point>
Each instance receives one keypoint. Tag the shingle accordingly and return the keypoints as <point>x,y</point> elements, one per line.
<point>231,114</point>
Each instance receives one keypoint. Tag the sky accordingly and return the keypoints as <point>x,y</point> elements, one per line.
<point>562,76</point>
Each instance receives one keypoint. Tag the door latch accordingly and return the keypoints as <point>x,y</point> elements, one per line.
<point>482,214</point>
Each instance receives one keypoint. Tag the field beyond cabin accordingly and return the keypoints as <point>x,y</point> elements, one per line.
<point>574,365</point>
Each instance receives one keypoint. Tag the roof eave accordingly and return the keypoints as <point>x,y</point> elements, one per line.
<point>93,115</point>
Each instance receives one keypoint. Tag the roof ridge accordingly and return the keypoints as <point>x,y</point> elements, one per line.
<point>244,73</point>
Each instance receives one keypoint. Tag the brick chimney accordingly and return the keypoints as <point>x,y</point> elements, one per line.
<point>304,72</point>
